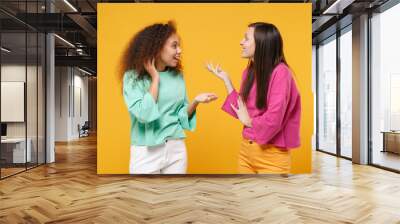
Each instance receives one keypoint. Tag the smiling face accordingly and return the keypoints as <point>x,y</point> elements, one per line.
<point>248,44</point>
<point>171,52</point>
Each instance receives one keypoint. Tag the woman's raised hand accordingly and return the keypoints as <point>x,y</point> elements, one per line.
<point>217,71</point>
<point>150,67</point>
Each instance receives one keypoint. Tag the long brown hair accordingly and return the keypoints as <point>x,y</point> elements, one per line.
<point>268,54</point>
<point>146,45</point>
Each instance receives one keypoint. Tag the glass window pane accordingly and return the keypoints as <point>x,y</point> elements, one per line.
<point>22,88</point>
<point>385,89</point>
<point>32,94</point>
<point>14,153</point>
<point>346,94</point>
<point>327,96</point>
<point>41,98</point>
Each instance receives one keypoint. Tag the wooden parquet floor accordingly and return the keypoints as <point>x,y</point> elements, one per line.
<point>70,191</point>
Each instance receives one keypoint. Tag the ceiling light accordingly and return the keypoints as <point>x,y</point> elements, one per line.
<point>5,50</point>
<point>64,40</point>
<point>70,5</point>
<point>84,71</point>
<point>337,7</point>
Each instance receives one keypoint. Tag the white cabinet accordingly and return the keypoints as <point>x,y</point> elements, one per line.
<point>18,149</point>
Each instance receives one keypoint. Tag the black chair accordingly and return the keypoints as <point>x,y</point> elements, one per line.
<point>84,130</point>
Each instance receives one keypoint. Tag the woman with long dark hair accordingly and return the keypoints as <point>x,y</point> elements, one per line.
<point>155,94</point>
<point>268,104</point>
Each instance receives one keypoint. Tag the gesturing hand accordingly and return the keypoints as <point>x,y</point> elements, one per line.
<point>205,97</point>
<point>242,113</point>
<point>217,71</point>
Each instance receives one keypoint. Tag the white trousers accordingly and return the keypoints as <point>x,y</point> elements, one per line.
<point>168,158</point>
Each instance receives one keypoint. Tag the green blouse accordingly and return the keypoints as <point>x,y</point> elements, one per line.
<point>154,122</point>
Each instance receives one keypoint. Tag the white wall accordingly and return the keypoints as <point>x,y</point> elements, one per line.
<point>61,103</point>
<point>81,100</point>
<point>12,73</point>
<point>71,93</point>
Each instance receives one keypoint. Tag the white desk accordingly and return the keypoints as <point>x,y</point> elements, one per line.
<point>18,149</point>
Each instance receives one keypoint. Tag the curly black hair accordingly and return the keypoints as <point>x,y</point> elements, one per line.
<point>146,45</point>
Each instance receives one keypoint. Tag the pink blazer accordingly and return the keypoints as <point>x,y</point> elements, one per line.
<point>279,122</point>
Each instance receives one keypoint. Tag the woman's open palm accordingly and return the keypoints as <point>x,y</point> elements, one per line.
<point>206,97</point>
<point>217,71</point>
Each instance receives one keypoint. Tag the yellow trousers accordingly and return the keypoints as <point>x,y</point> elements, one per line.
<point>268,159</point>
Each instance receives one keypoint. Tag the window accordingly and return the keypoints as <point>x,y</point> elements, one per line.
<point>346,75</point>
<point>385,89</point>
<point>327,95</point>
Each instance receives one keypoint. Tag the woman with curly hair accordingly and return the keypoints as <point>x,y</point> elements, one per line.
<point>268,103</point>
<point>155,95</point>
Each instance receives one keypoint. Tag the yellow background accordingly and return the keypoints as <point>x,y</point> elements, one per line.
<point>208,32</point>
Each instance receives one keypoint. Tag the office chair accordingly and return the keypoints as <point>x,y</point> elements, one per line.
<point>84,130</point>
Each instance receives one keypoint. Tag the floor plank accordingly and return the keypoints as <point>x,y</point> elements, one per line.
<point>70,191</point>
